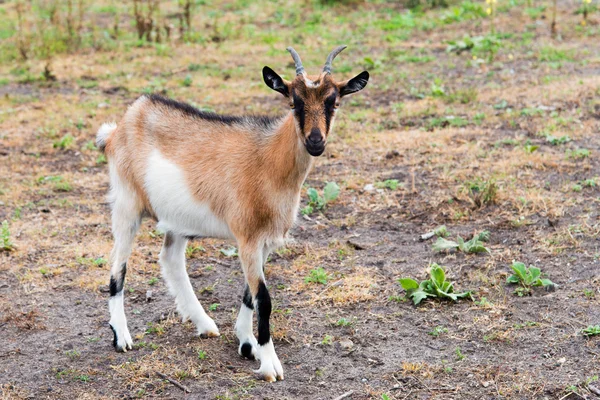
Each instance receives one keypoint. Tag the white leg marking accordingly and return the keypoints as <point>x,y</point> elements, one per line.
<point>172,261</point>
<point>118,322</point>
<point>270,366</point>
<point>243,330</point>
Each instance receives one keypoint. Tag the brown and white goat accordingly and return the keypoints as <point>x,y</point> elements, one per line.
<point>205,175</point>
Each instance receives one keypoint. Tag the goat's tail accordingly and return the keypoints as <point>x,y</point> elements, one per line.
<point>103,134</point>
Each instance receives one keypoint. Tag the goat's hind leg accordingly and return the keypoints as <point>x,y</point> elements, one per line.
<point>125,224</point>
<point>172,261</point>
<point>243,327</point>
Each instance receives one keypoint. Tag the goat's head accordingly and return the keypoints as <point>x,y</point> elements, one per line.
<point>314,99</point>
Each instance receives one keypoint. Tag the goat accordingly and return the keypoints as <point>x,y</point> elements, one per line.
<point>201,174</point>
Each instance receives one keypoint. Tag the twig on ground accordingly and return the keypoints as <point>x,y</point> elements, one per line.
<point>347,394</point>
<point>174,382</point>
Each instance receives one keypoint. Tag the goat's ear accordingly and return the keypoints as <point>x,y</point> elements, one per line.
<point>275,82</point>
<point>354,85</point>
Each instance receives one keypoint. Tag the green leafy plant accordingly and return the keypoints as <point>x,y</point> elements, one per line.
<point>7,244</point>
<point>440,231</point>
<point>436,286</point>
<point>474,245</point>
<point>317,275</point>
<point>591,330</point>
<point>481,191</point>
<point>319,202</point>
<point>527,277</point>
<point>479,45</point>
<point>391,184</point>
<point>202,355</point>
<point>230,252</point>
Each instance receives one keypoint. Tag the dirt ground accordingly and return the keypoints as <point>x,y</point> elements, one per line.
<point>446,126</point>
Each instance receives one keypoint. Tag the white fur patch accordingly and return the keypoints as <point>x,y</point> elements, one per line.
<point>174,205</point>
<point>310,83</point>
<point>103,133</point>
<point>118,321</point>
<point>243,329</point>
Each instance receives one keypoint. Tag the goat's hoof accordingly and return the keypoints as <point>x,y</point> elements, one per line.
<point>270,371</point>
<point>247,350</point>
<point>121,340</point>
<point>206,327</point>
<point>206,335</point>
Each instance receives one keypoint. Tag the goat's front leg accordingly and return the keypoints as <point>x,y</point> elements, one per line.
<point>270,366</point>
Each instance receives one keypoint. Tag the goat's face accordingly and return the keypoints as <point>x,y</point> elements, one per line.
<point>314,100</point>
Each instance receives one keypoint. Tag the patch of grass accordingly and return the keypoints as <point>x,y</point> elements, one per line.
<point>553,54</point>
<point>527,278</point>
<point>317,275</point>
<point>64,143</point>
<point>482,192</point>
<point>191,250</point>
<point>153,281</point>
<point>345,322</point>
<point>60,184</point>
<point>459,355</point>
<point>577,154</point>
<point>73,354</point>
<point>202,355</point>
<point>214,306</point>
<point>436,286</point>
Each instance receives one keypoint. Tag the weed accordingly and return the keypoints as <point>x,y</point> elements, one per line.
<point>318,202</point>
<point>527,277</point>
<point>155,328</point>
<point>7,244</point>
<point>391,184</point>
<point>435,286</point>
<point>73,354</point>
<point>190,250</point>
<point>230,252</point>
<point>187,82</point>
<point>317,275</point>
<point>474,245</point>
<point>591,330</point>
<point>60,183</point>
<point>83,378</point>
<point>345,322</point>
<point>437,331</point>
<point>486,46</point>
<point>588,293</point>
<point>557,141</point>
<point>578,154</point>
<point>64,143</point>
<point>459,355</point>
<point>214,306</point>
<point>202,355</point>
<point>153,281</point>
<point>529,148</point>
<point>482,192</point>
<point>327,340</point>
<point>440,231</point>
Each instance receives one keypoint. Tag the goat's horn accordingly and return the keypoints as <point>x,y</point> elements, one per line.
<point>297,61</point>
<point>330,57</point>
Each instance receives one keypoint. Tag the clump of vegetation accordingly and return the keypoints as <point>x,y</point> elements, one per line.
<point>64,143</point>
<point>436,286</point>
<point>7,244</point>
<point>474,245</point>
<point>391,184</point>
<point>317,275</point>
<point>437,331</point>
<point>230,252</point>
<point>318,202</point>
<point>527,277</point>
<point>60,184</point>
<point>591,330</point>
<point>486,46</point>
<point>482,192</point>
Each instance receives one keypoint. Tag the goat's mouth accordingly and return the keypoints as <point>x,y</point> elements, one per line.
<point>315,150</point>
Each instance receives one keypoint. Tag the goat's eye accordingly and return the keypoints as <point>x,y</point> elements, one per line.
<point>292,106</point>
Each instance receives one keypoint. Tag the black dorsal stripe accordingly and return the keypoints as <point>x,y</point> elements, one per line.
<point>192,111</point>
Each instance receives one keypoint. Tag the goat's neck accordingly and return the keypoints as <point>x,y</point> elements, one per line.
<point>288,162</point>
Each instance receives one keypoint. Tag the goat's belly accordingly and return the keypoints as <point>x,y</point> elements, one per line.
<point>174,206</point>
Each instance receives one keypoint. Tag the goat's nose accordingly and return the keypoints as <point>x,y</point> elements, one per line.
<point>315,136</point>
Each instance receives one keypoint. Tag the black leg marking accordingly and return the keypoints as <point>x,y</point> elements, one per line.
<point>247,351</point>
<point>116,285</point>
<point>247,300</point>
<point>263,309</point>
<point>168,239</point>
<point>114,336</point>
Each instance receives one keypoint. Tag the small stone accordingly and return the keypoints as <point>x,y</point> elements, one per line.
<point>148,295</point>
<point>346,344</point>
<point>103,105</point>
